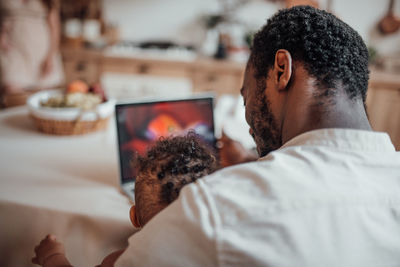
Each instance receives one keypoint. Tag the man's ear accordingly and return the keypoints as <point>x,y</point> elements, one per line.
<point>282,69</point>
<point>133,217</point>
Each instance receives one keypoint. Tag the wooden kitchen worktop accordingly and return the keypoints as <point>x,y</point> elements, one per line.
<point>200,62</point>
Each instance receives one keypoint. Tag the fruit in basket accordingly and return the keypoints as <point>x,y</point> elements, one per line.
<point>98,90</point>
<point>77,95</point>
<point>84,101</point>
<point>77,87</point>
<point>73,100</point>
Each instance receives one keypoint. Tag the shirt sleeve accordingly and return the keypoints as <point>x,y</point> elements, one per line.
<point>183,234</point>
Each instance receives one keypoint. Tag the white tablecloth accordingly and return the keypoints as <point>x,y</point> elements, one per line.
<point>62,185</point>
<point>68,185</point>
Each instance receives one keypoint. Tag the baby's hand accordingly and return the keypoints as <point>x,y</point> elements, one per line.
<point>48,250</point>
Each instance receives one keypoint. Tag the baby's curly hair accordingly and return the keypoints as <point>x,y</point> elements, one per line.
<point>330,50</point>
<point>173,162</point>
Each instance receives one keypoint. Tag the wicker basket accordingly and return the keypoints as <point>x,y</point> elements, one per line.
<point>15,99</point>
<point>68,121</point>
<point>76,127</point>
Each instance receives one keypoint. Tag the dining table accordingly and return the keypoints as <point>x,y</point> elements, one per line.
<point>64,185</point>
<point>69,186</point>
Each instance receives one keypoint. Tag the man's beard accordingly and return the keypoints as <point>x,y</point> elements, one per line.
<point>266,133</point>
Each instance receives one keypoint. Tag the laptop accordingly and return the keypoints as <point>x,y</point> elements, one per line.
<point>140,124</point>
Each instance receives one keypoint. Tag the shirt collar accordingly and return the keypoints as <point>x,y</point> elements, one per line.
<point>346,139</point>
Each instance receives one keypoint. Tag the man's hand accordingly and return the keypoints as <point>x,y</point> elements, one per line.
<point>50,253</point>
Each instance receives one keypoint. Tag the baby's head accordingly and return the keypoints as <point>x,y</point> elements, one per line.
<point>170,164</point>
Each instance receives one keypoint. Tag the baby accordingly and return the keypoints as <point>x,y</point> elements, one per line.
<point>168,166</point>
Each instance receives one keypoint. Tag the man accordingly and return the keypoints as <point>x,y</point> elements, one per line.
<point>326,189</point>
<point>328,194</point>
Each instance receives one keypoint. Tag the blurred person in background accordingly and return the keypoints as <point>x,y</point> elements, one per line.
<point>29,39</point>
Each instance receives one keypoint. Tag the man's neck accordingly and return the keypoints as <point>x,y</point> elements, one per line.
<point>340,112</point>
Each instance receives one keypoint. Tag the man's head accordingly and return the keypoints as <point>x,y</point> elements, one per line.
<point>300,47</point>
<point>170,164</point>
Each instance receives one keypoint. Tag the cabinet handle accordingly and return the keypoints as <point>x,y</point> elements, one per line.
<point>143,68</point>
<point>211,78</point>
<point>81,66</point>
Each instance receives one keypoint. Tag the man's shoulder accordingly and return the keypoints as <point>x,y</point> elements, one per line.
<point>302,172</point>
<point>257,175</point>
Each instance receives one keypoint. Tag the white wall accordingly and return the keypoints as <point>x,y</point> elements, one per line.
<point>140,20</point>
<point>363,16</point>
<point>179,20</point>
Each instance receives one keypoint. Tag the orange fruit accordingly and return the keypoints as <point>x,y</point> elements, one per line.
<point>77,87</point>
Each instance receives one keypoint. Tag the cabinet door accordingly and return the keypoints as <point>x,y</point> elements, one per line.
<point>81,70</point>
<point>144,67</point>
<point>383,105</point>
<point>163,69</point>
<point>117,65</point>
<point>220,83</point>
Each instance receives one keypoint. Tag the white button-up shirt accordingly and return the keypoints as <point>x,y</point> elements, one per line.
<point>328,197</point>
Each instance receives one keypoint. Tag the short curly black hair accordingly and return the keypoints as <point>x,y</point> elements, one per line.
<point>331,51</point>
<point>174,161</point>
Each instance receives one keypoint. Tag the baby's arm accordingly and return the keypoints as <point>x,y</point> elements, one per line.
<point>50,253</point>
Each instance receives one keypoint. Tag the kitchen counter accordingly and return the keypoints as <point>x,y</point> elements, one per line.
<point>205,74</point>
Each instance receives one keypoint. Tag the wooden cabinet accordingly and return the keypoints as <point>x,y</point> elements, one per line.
<point>81,70</point>
<point>383,104</point>
<point>219,76</point>
<point>221,83</point>
<point>81,66</point>
<point>144,67</point>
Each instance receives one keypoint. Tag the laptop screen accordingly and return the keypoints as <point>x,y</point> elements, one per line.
<point>139,125</point>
